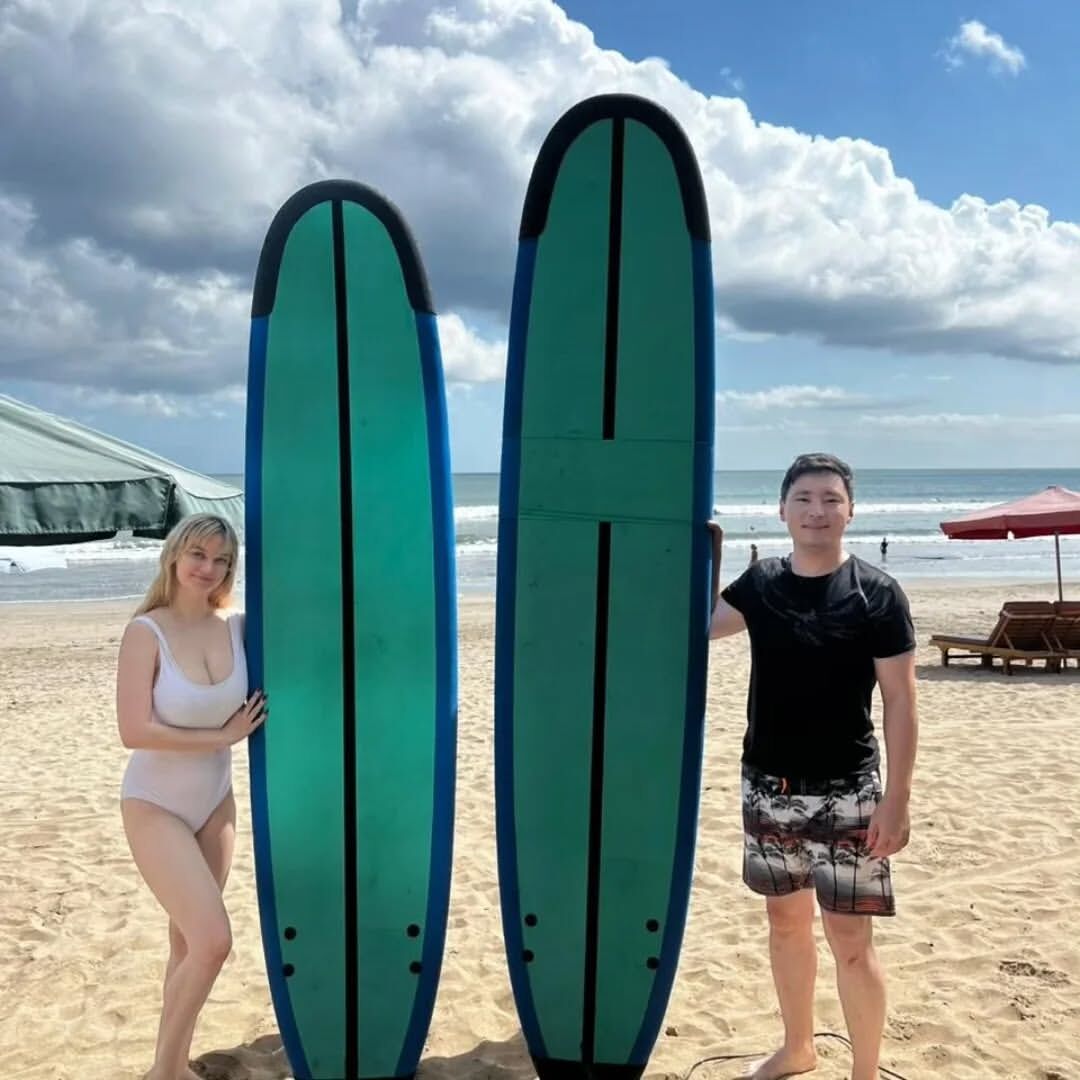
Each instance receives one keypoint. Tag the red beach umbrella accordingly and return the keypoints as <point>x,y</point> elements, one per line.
<point>1053,512</point>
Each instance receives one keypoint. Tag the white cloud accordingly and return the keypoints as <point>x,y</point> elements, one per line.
<point>1028,426</point>
<point>736,82</point>
<point>467,357</point>
<point>218,405</point>
<point>77,313</point>
<point>793,397</point>
<point>147,143</point>
<point>974,39</point>
<point>784,424</point>
<point>728,329</point>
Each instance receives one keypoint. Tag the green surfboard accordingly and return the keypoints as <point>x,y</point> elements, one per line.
<point>603,583</point>
<point>350,630</point>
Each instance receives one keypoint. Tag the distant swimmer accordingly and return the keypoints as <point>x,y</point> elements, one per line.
<point>884,547</point>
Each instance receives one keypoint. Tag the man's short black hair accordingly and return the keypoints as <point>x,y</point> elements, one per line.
<point>818,463</point>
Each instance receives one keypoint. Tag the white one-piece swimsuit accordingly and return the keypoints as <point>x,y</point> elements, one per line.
<point>189,784</point>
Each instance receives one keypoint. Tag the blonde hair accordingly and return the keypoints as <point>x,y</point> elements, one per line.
<point>184,534</point>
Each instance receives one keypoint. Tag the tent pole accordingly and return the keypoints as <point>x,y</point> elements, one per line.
<point>1057,552</point>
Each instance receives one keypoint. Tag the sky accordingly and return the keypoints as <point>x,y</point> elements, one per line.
<point>891,187</point>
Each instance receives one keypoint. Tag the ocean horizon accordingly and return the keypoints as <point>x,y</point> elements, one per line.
<point>904,506</point>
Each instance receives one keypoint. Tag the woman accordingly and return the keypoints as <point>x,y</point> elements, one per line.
<point>181,691</point>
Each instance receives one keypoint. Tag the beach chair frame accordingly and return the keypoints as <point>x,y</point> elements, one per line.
<point>1023,634</point>
<point>1065,632</point>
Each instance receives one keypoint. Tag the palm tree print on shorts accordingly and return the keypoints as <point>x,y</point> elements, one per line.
<point>815,837</point>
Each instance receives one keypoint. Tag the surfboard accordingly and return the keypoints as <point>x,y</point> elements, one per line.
<point>350,629</point>
<point>603,583</point>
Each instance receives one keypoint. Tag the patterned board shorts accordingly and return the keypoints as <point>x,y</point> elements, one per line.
<point>801,835</point>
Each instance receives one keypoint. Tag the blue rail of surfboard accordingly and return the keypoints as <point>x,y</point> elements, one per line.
<point>446,691</point>
<point>505,604</point>
<point>260,809</point>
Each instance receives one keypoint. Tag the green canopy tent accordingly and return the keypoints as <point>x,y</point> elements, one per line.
<point>61,482</point>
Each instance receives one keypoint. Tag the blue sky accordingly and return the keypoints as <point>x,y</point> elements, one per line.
<point>892,188</point>
<point>876,71</point>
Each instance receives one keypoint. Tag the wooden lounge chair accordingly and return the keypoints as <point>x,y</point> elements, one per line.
<point>1022,635</point>
<point>1065,633</point>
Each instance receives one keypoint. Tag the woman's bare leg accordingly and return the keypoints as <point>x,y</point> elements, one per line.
<point>175,868</point>
<point>216,840</point>
<point>177,952</point>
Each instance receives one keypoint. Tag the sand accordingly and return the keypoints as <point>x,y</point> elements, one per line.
<point>983,960</point>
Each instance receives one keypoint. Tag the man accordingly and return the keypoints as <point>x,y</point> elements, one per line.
<point>824,627</point>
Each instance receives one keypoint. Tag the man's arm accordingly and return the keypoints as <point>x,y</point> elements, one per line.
<point>890,826</point>
<point>725,619</point>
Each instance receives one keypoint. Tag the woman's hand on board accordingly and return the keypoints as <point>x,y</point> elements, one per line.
<point>247,719</point>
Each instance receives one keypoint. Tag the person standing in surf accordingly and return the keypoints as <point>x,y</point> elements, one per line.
<point>182,702</point>
<point>824,627</point>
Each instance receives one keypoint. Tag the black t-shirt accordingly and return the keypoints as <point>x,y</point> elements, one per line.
<point>813,641</point>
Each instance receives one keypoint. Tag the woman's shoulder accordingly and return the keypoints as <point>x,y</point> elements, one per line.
<point>141,634</point>
<point>145,622</point>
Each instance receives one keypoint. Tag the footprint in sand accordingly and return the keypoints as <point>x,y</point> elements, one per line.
<point>1034,971</point>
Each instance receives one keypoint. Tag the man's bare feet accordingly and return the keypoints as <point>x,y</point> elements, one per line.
<point>784,1063</point>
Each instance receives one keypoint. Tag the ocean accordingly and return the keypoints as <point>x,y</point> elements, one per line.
<point>904,506</point>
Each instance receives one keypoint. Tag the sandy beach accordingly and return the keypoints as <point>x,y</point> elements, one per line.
<point>982,961</point>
